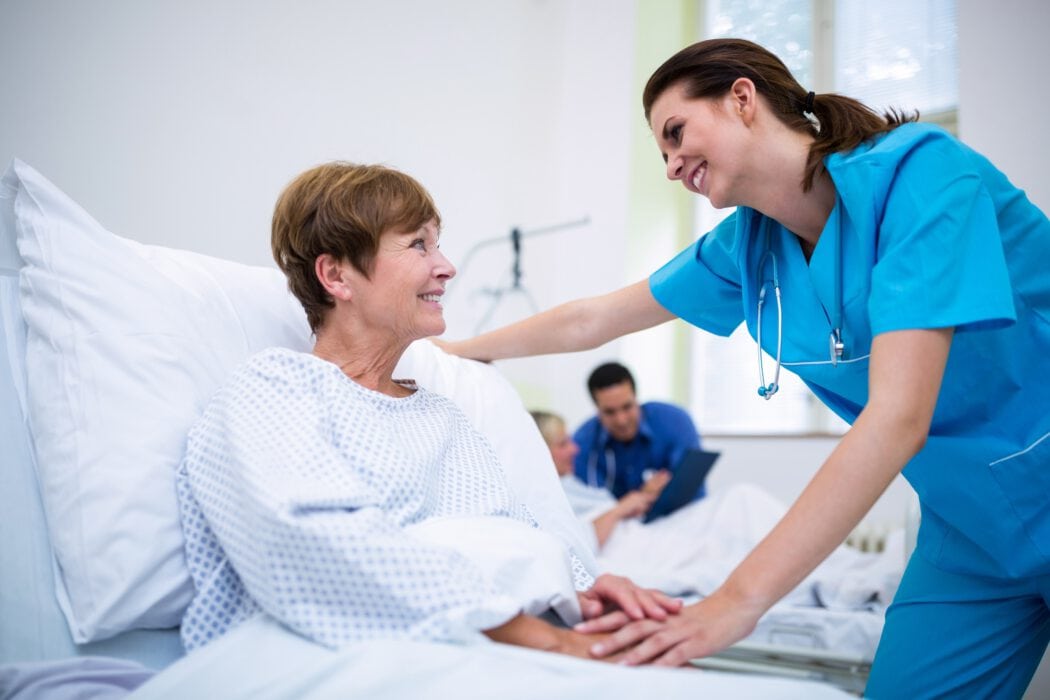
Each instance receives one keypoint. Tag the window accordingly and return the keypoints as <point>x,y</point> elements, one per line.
<point>895,53</point>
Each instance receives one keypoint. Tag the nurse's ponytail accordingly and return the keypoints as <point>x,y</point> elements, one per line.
<point>709,69</point>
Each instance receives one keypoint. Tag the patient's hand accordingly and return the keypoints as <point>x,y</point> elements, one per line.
<point>534,633</point>
<point>634,504</point>
<point>578,644</point>
<point>616,595</point>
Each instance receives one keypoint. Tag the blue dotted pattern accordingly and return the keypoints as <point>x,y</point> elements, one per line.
<point>294,493</point>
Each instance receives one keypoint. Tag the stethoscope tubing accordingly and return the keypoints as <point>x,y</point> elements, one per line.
<point>836,346</point>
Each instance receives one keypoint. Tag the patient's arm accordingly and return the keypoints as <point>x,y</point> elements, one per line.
<point>534,633</point>
<point>632,504</point>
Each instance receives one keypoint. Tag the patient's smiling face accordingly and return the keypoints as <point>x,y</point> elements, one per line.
<point>403,292</point>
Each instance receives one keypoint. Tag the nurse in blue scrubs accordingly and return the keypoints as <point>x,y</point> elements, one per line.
<point>903,277</point>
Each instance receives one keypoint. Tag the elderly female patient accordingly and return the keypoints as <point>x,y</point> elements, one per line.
<point>305,470</point>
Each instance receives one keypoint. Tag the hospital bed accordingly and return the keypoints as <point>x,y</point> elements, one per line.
<point>109,350</point>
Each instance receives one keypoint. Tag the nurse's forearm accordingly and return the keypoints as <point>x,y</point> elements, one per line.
<point>840,494</point>
<point>561,329</point>
<point>905,379</point>
<point>577,325</point>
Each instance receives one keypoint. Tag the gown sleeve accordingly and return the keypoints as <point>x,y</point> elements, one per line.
<point>306,535</point>
<point>939,258</point>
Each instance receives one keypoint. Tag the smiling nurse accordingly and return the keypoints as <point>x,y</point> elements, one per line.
<point>904,279</point>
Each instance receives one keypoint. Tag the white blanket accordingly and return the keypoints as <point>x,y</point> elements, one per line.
<point>261,660</point>
<point>525,563</point>
<point>693,550</point>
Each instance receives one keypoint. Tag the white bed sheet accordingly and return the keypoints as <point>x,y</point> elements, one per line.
<point>262,660</point>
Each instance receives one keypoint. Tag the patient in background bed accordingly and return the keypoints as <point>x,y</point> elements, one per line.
<point>593,504</point>
<point>693,550</point>
<point>309,478</point>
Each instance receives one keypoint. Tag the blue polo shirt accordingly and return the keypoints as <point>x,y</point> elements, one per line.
<point>665,433</point>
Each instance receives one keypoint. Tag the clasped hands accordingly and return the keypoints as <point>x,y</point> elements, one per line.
<point>630,625</point>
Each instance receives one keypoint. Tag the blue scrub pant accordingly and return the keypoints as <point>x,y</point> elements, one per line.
<point>957,636</point>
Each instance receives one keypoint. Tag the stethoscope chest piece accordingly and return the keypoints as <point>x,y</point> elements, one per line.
<point>767,391</point>
<point>836,347</point>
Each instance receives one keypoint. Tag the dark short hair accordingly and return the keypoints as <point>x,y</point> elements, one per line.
<point>607,375</point>
<point>341,209</point>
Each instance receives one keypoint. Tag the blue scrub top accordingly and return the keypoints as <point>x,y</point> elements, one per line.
<point>931,235</point>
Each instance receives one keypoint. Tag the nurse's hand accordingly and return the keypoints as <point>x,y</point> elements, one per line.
<point>618,598</point>
<point>701,629</point>
<point>453,348</point>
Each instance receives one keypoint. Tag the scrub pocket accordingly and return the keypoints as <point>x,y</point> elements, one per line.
<point>1025,480</point>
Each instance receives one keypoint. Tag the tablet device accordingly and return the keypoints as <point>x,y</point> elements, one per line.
<point>686,480</point>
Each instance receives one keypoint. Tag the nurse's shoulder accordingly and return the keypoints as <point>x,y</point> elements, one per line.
<point>913,153</point>
<point>895,148</point>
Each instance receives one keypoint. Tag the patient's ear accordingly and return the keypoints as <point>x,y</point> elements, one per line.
<point>331,272</point>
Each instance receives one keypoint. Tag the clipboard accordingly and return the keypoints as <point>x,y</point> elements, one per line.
<point>686,480</point>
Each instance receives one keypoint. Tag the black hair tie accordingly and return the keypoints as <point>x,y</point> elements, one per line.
<point>808,107</point>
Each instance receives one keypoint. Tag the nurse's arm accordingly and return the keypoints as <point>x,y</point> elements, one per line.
<point>905,373</point>
<point>576,325</point>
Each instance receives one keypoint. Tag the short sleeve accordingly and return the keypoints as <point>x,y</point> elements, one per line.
<point>940,260</point>
<point>701,285</point>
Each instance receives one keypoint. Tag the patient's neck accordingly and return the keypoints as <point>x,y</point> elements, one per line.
<point>368,359</point>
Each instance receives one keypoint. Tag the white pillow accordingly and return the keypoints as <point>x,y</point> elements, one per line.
<point>125,344</point>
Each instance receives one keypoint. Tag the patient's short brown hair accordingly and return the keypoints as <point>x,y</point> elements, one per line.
<point>341,209</point>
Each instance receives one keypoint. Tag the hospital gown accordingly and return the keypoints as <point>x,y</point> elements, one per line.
<point>295,493</point>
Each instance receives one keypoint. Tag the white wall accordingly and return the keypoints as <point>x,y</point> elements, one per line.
<point>177,122</point>
<point>1004,96</point>
<point>784,465</point>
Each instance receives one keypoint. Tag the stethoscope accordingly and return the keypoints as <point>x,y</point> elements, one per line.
<point>610,468</point>
<point>835,344</point>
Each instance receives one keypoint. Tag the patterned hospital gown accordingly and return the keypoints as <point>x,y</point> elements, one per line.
<point>294,493</point>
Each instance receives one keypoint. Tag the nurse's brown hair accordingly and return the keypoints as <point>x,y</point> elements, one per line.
<point>709,69</point>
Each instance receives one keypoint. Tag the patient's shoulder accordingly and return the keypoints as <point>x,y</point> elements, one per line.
<point>284,365</point>
<point>274,373</point>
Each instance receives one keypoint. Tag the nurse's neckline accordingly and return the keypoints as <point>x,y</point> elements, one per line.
<point>806,246</point>
<point>816,208</point>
